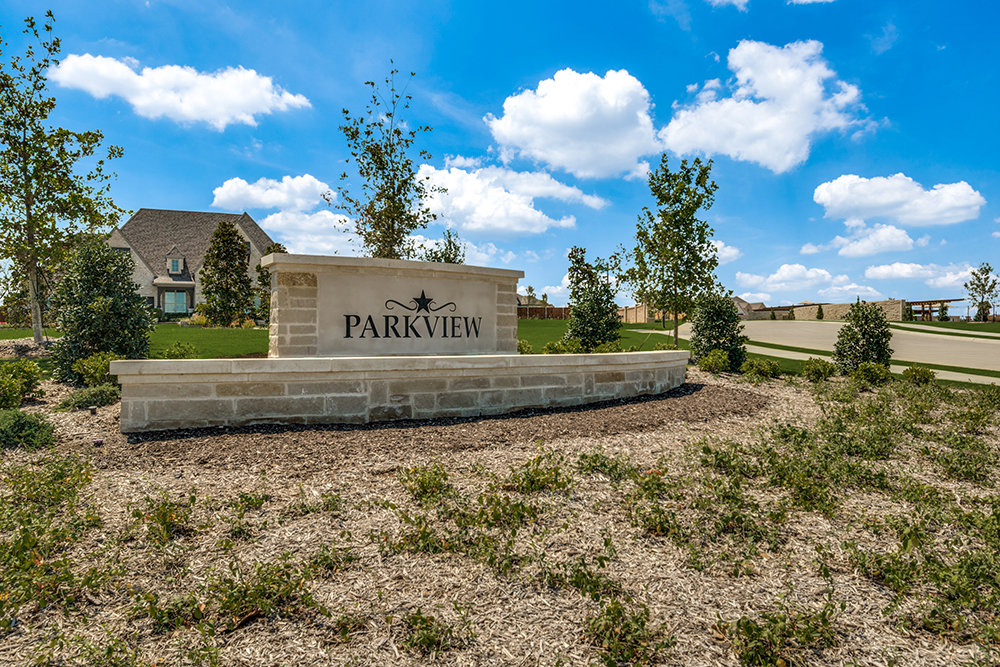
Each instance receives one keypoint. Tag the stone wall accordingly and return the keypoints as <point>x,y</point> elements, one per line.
<point>184,393</point>
<point>315,300</point>
<point>893,310</point>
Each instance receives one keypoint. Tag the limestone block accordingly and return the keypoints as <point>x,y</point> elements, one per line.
<point>279,406</point>
<point>296,279</point>
<point>233,389</point>
<point>324,388</point>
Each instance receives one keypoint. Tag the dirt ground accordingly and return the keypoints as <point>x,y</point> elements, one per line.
<point>515,621</point>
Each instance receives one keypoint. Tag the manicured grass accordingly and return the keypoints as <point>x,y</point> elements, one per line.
<point>991,327</point>
<point>898,362</point>
<point>540,332</point>
<point>211,343</point>
<point>15,333</point>
<point>940,331</point>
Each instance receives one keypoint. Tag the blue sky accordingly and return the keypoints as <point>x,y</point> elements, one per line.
<point>855,142</point>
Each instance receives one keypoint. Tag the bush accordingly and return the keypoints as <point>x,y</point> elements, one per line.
<point>26,377</point>
<point>760,369</point>
<point>593,313</point>
<point>98,309</point>
<point>94,370</point>
<point>10,393</point>
<point>943,313</point>
<point>180,350</point>
<point>197,320</point>
<point>716,361</point>
<point>665,346</point>
<point>871,373</point>
<point>815,369</point>
<point>524,347</point>
<point>20,429</point>
<point>919,375</point>
<point>102,394</point>
<point>865,336</point>
<point>715,325</point>
<point>605,348</point>
<point>564,346</point>
<point>819,312</point>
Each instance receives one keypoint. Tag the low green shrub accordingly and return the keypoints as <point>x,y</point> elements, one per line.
<point>565,346</point>
<point>871,373</point>
<point>758,370</point>
<point>624,637</point>
<point>919,375</point>
<point>664,347</point>
<point>542,473</point>
<point>611,346</point>
<point>10,393</point>
<point>815,369</point>
<point>103,394</point>
<point>524,347</point>
<point>94,369</point>
<point>26,374</point>
<point>716,361</point>
<point>21,429</point>
<point>180,350</point>
<point>427,484</point>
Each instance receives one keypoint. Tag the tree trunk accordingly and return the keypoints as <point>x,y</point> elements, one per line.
<point>34,300</point>
<point>676,328</point>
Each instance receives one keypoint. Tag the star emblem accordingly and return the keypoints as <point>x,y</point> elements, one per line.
<point>423,303</point>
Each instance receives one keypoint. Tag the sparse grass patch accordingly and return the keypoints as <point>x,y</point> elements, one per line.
<point>623,635</point>
<point>429,636</point>
<point>615,468</point>
<point>544,472</point>
<point>166,518</point>
<point>427,484</point>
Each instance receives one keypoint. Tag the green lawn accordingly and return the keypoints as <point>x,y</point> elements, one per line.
<point>211,343</point>
<point>540,332</point>
<point>991,327</point>
<point>13,334</point>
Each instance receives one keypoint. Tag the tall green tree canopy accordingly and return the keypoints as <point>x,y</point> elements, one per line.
<point>391,204</point>
<point>982,288</point>
<point>98,308</point>
<point>593,314</point>
<point>225,279</point>
<point>46,194</point>
<point>673,261</point>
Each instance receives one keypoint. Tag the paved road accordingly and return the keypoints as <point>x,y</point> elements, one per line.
<point>945,330</point>
<point>928,348</point>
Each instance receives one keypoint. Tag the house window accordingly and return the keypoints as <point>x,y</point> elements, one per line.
<point>175,266</point>
<point>175,302</point>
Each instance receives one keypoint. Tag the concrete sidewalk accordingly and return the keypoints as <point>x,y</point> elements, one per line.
<point>909,326</point>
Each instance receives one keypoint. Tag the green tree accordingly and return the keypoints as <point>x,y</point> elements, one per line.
<point>98,309</point>
<point>982,288</point>
<point>392,201</point>
<point>943,313</point>
<point>224,277</point>
<point>819,312</point>
<point>715,325</point>
<point>864,337</point>
<point>907,312</point>
<point>262,292</point>
<point>45,196</point>
<point>791,313</point>
<point>673,261</point>
<point>593,314</point>
<point>449,250</point>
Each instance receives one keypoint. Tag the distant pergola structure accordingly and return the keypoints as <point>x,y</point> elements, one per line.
<point>928,310</point>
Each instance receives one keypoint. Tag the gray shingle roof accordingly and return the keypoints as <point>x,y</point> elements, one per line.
<point>154,233</point>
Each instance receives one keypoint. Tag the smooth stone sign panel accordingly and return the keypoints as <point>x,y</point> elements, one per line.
<point>351,306</point>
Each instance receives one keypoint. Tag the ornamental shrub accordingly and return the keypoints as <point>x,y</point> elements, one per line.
<point>919,375</point>
<point>564,346</point>
<point>95,369</point>
<point>943,313</point>
<point>815,369</point>
<point>102,394</point>
<point>715,325</point>
<point>665,346</point>
<point>26,376</point>
<point>758,370</point>
<point>180,350</point>
<point>524,347</point>
<point>24,430</point>
<point>716,361</point>
<point>10,393</point>
<point>865,336</point>
<point>870,373</point>
<point>98,310</point>
<point>819,312</point>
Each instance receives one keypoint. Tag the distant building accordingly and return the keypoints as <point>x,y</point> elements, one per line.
<point>168,248</point>
<point>746,308</point>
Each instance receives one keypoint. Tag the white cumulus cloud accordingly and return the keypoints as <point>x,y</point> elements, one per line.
<point>588,125</point>
<point>783,97</point>
<point>296,193</point>
<point>849,292</point>
<point>752,297</point>
<point>898,198</point>
<point>498,200</point>
<point>789,277</point>
<point>319,233</point>
<point>872,241</point>
<point>182,94</point>
<point>933,275</point>
<point>726,253</point>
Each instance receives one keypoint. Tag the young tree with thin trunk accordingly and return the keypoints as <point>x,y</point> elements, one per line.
<point>391,204</point>
<point>982,288</point>
<point>673,261</point>
<point>46,199</point>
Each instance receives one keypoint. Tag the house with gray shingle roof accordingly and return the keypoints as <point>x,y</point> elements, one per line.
<point>168,248</point>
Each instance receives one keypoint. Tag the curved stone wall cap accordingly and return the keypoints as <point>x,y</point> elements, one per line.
<point>321,262</point>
